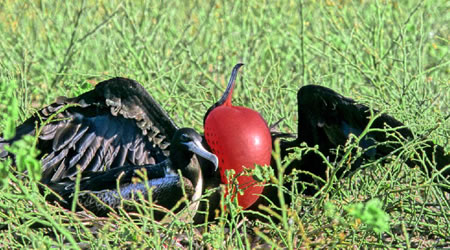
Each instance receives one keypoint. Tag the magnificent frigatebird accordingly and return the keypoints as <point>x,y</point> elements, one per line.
<point>240,137</point>
<point>117,124</point>
<point>137,131</point>
<point>168,188</point>
<point>326,119</point>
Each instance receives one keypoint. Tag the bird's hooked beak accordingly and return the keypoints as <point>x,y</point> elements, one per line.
<point>197,148</point>
<point>226,97</point>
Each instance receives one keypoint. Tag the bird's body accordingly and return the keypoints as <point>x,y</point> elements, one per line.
<point>241,138</point>
<point>116,124</point>
<point>112,186</point>
<point>326,119</point>
<point>111,131</point>
<point>105,190</point>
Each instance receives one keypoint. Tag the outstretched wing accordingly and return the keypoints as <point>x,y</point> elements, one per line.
<point>117,123</point>
<point>327,118</point>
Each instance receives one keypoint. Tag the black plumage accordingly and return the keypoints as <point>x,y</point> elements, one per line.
<point>118,127</point>
<point>326,119</point>
<point>116,124</point>
<point>104,190</point>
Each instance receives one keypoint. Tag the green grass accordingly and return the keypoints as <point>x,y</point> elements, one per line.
<point>390,55</point>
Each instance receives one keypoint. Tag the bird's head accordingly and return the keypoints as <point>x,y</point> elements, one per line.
<point>185,143</point>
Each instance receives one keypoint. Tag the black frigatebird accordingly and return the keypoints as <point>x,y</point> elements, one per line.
<point>162,176</point>
<point>116,124</point>
<point>326,119</point>
<point>240,137</point>
<point>119,124</point>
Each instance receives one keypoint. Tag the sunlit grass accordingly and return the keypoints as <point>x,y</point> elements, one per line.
<point>390,55</point>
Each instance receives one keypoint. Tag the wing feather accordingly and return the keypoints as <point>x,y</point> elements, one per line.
<point>116,123</point>
<point>327,118</point>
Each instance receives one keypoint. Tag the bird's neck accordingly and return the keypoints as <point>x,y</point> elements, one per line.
<point>190,170</point>
<point>194,174</point>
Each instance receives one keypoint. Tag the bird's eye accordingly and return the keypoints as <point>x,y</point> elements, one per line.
<point>184,138</point>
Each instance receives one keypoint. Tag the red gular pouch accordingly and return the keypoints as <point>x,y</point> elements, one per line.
<point>240,138</point>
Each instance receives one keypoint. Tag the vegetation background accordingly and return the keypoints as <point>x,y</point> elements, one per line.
<point>392,55</point>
